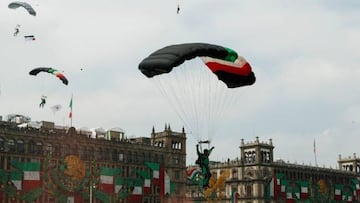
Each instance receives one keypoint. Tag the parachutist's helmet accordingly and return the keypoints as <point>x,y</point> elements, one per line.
<point>206,151</point>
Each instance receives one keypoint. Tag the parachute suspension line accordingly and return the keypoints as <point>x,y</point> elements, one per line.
<point>181,89</point>
<point>163,85</point>
<point>197,96</point>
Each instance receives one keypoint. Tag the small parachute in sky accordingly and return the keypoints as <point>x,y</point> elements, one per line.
<point>29,38</point>
<point>28,7</point>
<point>55,72</point>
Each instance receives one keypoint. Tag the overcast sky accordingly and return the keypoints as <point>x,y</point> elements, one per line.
<point>305,55</point>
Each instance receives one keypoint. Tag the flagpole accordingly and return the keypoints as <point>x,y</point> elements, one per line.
<point>315,153</point>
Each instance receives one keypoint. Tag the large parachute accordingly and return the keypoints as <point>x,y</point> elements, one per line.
<point>199,80</point>
<point>52,71</point>
<point>232,69</point>
<point>28,7</point>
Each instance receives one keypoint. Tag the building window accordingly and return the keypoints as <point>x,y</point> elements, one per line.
<point>57,150</point>
<point>39,148</point>
<point>248,190</point>
<point>48,148</point>
<point>11,145</point>
<point>175,161</point>
<point>121,156</point>
<point>106,154</point>
<point>135,157</point>
<point>114,155</point>
<point>2,145</point>
<point>177,175</point>
<point>234,174</point>
<point>20,146</point>
<point>31,147</point>
<point>99,154</point>
<point>129,157</point>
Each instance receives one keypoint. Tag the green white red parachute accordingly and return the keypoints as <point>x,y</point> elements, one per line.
<point>52,71</point>
<point>199,80</point>
<point>225,63</point>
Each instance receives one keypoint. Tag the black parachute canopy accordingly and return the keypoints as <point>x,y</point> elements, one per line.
<point>225,64</point>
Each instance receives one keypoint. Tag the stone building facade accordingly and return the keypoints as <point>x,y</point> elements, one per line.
<point>255,177</point>
<point>59,164</point>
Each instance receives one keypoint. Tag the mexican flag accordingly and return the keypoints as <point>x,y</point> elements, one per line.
<point>137,192</point>
<point>147,181</point>
<point>155,167</point>
<point>31,176</point>
<point>304,189</point>
<point>289,196</point>
<point>16,179</point>
<point>70,106</point>
<point>271,188</point>
<point>192,174</point>
<point>357,186</point>
<point>284,184</point>
<point>107,179</point>
<point>279,177</point>
<point>118,184</point>
<point>296,194</point>
<point>167,184</point>
<point>161,178</point>
<point>337,192</point>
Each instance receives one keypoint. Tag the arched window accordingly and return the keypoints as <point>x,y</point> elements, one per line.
<point>48,148</point>
<point>11,145</point>
<point>121,156</point>
<point>20,146</point>
<point>31,147</point>
<point>39,148</point>
<point>234,174</point>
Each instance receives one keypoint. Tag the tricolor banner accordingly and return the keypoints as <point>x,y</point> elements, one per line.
<point>16,179</point>
<point>31,176</point>
<point>146,175</point>
<point>107,178</point>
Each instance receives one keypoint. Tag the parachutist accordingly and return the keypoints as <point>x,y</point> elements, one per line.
<point>17,30</point>
<point>203,162</point>
<point>43,101</point>
<point>178,9</point>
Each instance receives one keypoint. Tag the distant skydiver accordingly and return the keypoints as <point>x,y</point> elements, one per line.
<point>43,101</point>
<point>17,30</point>
<point>178,9</point>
